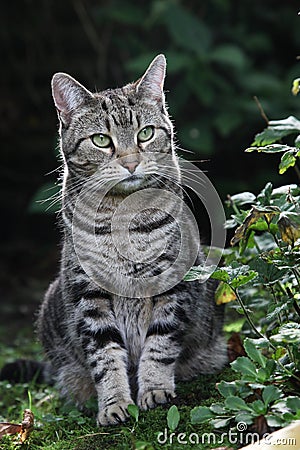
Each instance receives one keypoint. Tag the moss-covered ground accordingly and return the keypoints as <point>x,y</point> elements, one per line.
<point>60,426</point>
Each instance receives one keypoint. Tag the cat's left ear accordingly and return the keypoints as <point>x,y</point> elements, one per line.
<point>68,95</point>
<point>151,85</point>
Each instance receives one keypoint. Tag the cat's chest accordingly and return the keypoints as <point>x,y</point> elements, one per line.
<point>133,317</point>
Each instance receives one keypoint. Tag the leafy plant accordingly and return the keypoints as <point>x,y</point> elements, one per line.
<point>261,280</point>
<point>253,397</point>
<point>173,418</point>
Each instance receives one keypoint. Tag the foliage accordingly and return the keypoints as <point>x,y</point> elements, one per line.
<point>256,396</point>
<point>262,273</point>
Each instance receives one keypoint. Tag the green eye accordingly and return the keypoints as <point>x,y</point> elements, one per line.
<point>101,140</point>
<point>145,134</point>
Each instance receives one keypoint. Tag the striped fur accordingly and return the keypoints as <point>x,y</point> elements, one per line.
<point>123,349</point>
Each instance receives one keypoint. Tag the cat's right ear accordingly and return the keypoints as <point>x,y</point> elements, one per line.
<point>68,95</point>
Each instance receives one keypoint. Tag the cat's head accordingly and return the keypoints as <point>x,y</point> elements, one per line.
<point>112,134</point>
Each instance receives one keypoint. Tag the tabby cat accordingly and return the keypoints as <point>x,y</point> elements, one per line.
<point>108,326</point>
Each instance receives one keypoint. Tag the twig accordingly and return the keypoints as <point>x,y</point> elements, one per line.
<point>249,320</point>
<point>90,435</point>
<point>262,112</point>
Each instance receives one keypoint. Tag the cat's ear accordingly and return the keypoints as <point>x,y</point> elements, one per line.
<point>68,95</point>
<point>152,82</point>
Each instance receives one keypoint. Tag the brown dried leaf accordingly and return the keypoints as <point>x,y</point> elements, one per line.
<point>268,212</point>
<point>27,424</point>
<point>224,294</point>
<point>24,429</point>
<point>9,428</point>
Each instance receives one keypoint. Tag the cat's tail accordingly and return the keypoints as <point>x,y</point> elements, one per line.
<point>27,370</point>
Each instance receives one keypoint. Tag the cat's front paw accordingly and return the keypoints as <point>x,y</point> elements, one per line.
<point>114,414</point>
<point>150,399</point>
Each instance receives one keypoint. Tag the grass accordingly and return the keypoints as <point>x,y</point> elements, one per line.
<point>60,426</point>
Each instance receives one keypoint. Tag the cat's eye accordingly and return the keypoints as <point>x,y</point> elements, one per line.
<point>145,134</point>
<point>101,140</point>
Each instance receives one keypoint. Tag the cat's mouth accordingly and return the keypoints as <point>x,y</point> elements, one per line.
<point>131,183</point>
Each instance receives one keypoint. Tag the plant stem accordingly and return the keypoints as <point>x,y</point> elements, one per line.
<point>296,307</point>
<point>233,205</point>
<point>249,320</point>
<point>296,274</point>
<point>262,112</point>
<point>260,335</point>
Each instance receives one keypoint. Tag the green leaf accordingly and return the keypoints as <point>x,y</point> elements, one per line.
<point>288,417</point>
<point>221,274</point>
<point>274,148</point>
<point>235,326</point>
<point>262,375</point>
<point>199,272</point>
<point>290,123</point>
<point>244,417</point>
<point>288,159</point>
<point>293,403</point>
<point>220,423</point>
<point>241,280</point>
<point>270,394</point>
<point>276,130</point>
<point>292,189</point>
<point>258,407</point>
<point>296,86</point>
<point>243,198</point>
<point>226,388</point>
<point>246,367</point>
<point>275,421</point>
<point>276,311</point>
<point>270,367</point>
<point>218,408</point>
<point>264,197</point>
<point>254,353</point>
<point>133,411</point>
<point>201,414</point>
<point>268,273</point>
<point>237,404</point>
<point>173,418</point>
<point>288,333</point>
<point>235,275</point>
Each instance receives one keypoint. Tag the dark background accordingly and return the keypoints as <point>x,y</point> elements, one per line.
<point>221,53</point>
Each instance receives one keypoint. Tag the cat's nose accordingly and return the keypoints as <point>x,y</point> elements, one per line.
<point>131,166</point>
<point>130,162</point>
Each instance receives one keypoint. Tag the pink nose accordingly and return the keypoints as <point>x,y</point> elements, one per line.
<point>130,162</point>
<point>130,166</point>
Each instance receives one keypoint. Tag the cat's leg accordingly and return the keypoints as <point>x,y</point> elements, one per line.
<point>156,372</point>
<point>106,358</point>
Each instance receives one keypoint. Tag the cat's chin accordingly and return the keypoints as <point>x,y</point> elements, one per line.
<point>130,184</point>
